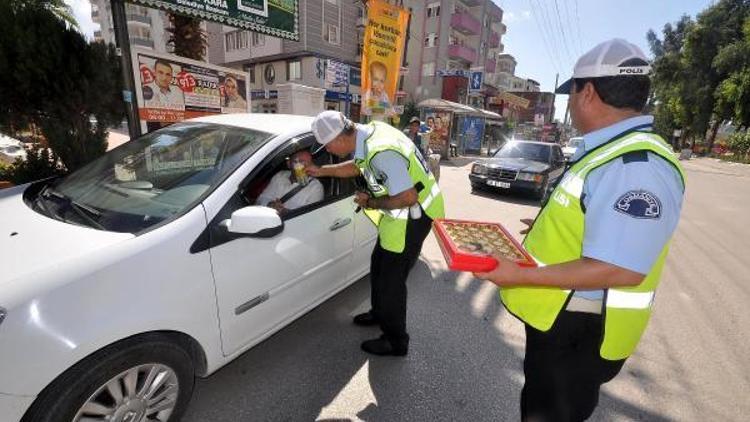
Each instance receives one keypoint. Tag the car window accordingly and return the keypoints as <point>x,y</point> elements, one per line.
<point>525,150</point>
<point>153,178</point>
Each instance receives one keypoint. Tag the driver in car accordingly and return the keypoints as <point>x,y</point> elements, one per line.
<point>292,188</point>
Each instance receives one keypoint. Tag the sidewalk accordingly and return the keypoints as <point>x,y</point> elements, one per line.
<point>714,165</point>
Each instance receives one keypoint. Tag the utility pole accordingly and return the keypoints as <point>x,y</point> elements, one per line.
<point>122,41</point>
<point>554,97</point>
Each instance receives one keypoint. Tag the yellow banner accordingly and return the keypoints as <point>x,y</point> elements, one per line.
<point>381,58</point>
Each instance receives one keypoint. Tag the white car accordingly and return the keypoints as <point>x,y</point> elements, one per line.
<point>570,148</point>
<point>149,266</point>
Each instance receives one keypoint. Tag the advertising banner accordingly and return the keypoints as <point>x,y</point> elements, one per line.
<point>171,89</point>
<point>439,123</point>
<point>381,58</point>
<point>278,18</point>
<point>472,130</point>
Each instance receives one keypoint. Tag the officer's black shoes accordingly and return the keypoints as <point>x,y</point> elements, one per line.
<point>366,319</point>
<point>382,347</point>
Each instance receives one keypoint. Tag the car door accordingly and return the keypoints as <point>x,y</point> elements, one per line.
<point>264,283</point>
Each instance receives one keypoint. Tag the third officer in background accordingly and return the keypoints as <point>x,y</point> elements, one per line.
<point>403,200</point>
<point>600,241</point>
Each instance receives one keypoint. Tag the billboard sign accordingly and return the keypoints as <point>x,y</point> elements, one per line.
<point>381,58</point>
<point>171,89</point>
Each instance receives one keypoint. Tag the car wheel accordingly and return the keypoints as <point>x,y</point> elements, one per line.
<point>143,379</point>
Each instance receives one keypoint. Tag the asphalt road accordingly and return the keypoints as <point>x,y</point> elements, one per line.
<point>466,352</point>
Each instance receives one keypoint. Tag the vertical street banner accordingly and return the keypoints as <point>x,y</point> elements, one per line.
<point>170,89</point>
<point>278,18</point>
<point>385,35</point>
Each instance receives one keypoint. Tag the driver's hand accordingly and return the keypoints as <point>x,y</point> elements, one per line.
<point>361,199</point>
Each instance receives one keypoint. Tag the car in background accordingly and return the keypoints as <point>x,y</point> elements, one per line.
<point>124,280</point>
<point>519,165</point>
<point>570,148</point>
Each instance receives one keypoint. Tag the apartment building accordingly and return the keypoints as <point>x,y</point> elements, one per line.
<point>448,37</point>
<point>329,30</point>
<point>145,25</point>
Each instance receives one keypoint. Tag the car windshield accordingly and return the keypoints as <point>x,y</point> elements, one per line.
<point>525,150</point>
<point>152,178</point>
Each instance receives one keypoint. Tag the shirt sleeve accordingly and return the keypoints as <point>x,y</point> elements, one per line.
<point>393,169</point>
<point>270,193</point>
<point>632,210</point>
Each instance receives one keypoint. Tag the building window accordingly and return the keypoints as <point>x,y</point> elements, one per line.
<point>482,47</point>
<point>336,2</point>
<point>259,39</point>
<point>235,40</point>
<point>251,71</point>
<point>293,70</point>
<point>428,69</point>
<point>332,35</point>
<point>360,12</point>
<point>433,10</point>
<point>430,40</point>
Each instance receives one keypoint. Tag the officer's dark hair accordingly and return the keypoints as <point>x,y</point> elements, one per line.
<point>162,62</point>
<point>620,91</point>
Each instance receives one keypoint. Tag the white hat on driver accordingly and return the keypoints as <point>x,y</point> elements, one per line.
<point>615,57</point>
<point>328,125</point>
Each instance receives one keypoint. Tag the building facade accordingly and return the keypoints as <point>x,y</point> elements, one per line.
<point>448,36</point>
<point>146,26</point>
<point>329,30</point>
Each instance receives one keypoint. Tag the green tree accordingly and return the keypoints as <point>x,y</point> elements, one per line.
<point>55,81</point>
<point>689,83</point>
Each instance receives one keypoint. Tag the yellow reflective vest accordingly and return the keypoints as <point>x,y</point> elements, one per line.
<point>557,237</point>
<point>392,223</point>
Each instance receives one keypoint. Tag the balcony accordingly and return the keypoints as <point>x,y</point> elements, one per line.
<point>461,52</point>
<point>500,27</point>
<point>495,11</point>
<point>501,48</point>
<point>143,42</point>
<point>494,40</point>
<point>489,66</point>
<point>132,17</point>
<point>465,23</point>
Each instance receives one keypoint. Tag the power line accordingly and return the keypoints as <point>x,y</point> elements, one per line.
<point>575,40</point>
<point>550,32</point>
<point>554,60</point>
<point>562,32</point>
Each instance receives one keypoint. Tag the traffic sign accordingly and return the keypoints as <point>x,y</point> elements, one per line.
<point>475,82</point>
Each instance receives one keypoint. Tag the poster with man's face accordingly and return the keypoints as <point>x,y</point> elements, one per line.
<point>172,89</point>
<point>439,123</point>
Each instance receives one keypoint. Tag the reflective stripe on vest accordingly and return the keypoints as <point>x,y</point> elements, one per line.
<point>392,223</point>
<point>557,236</point>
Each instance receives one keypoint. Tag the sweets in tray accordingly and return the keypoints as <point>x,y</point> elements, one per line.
<point>469,245</point>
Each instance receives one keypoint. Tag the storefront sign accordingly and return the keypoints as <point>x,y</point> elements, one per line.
<point>278,18</point>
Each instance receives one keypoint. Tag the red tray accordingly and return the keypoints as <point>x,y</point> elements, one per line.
<point>460,258</point>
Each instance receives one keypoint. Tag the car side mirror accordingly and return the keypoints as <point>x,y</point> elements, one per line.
<point>254,221</point>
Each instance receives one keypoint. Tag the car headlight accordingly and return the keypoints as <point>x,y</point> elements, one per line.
<point>478,169</point>
<point>530,177</point>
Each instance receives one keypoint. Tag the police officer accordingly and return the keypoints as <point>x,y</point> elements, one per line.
<point>402,201</point>
<point>600,241</point>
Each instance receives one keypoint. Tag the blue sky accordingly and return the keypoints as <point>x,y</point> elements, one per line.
<point>542,54</point>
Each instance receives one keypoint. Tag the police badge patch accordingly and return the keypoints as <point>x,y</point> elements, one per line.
<point>639,204</point>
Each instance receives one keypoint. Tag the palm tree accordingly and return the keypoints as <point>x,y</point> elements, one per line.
<point>58,8</point>
<point>187,37</point>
